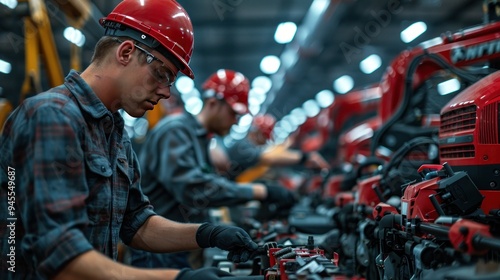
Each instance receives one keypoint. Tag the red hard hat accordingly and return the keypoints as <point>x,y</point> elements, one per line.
<point>265,123</point>
<point>163,25</point>
<point>231,86</point>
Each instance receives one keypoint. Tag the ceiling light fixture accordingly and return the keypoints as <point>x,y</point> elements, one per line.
<point>184,85</point>
<point>285,32</point>
<point>270,64</point>
<point>325,98</point>
<point>448,86</point>
<point>5,67</point>
<point>413,31</point>
<point>343,84</point>
<point>370,64</point>
<point>9,3</point>
<point>74,35</point>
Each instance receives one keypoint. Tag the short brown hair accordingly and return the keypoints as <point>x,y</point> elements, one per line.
<point>101,48</point>
<point>105,44</point>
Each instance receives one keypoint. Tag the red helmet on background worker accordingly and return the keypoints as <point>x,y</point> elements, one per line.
<point>231,86</point>
<point>265,124</point>
<point>161,25</point>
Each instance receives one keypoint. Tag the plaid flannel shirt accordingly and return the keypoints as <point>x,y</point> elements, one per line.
<point>77,181</point>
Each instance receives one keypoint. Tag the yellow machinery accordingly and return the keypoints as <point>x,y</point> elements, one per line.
<point>39,43</point>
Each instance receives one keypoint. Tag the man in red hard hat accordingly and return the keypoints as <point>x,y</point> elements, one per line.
<point>70,181</point>
<point>178,175</point>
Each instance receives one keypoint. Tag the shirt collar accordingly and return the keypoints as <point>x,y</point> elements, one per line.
<point>85,96</point>
<point>198,128</point>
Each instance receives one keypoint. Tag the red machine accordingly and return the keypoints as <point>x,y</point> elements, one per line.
<point>461,56</point>
<point>349,111</point>
<point>302,262</point>
<point>440,62</point>
<point>409,110</point>
<point>468,237</point>
<point>287,261</point>
<point>469,137</point>
<point>442,192</point>
<point>354,144</point>
<point>346,111</point>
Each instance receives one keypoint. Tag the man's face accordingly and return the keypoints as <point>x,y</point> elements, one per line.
<point>223,118</point>
<point>147,81</point>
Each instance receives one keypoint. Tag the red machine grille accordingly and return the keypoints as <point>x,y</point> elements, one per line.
<point>488,121</point>
<point>461,119</point>
<point>462,151</point>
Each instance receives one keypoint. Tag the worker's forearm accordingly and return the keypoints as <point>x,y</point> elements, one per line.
<point>162,235</point>
<point>280,157</point>
<point>93,265</point>
<point>259,191</point>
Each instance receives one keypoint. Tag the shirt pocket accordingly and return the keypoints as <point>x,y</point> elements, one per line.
<point>99,165</point>
<point>99,181</point>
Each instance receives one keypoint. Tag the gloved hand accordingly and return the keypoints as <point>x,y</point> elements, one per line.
<point>280,196</point>
<point>229,238</point>
<point>209,273</point>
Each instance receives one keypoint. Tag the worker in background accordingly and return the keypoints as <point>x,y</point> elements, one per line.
<point>70,182</point>
<point>250,157</point>
<point>178,175</point>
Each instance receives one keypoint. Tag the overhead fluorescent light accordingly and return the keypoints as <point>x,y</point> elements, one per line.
<point>254,109</point>
<point>5,67</point>
<point>184,85</point>
<point>270,64</point>
<point>343,84</point>
<point>448,86</point>
<point>413,31</point>
<point>286,124</point>
<point>245,120</point>
<point>193,105</point>
<point>325,98</point>
<point>431,43</point>
<point>311,108</point>
<point>74,35</point>
<point>370,64</point>
<point>299,115</point>
<point>263,83</point>
<point>319,6</point>
<point>9,3</point>
<point>285,32</point>
<point>255,96</point>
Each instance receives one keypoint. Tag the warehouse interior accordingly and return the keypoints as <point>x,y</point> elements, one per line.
<point>379,121</point>
<point>332,38</point>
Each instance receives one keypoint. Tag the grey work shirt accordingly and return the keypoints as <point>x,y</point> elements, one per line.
<point>76,183</point>
<point>178,176</point>
<point>242,154</point>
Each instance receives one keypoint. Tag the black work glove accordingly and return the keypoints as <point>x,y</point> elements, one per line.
<point>280,196</point>
<point>229,238</point>
<point>209,273</point>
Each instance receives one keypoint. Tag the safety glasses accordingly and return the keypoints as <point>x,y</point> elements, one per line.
<point>163,74</point>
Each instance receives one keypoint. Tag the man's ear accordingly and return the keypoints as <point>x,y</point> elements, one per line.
<point>124,52</point>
